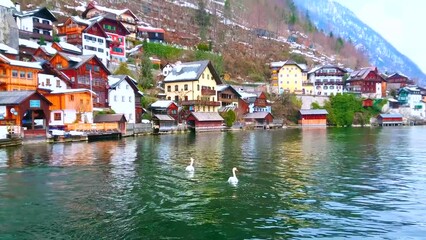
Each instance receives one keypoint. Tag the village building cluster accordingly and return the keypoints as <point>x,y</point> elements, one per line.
<point>54,76</point>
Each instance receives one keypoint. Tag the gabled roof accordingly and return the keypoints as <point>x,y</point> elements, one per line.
<point>317,68</point>
<point>96,24</point>
<point>112,18</point>
<point>390,115</point>
<point>150,29</point>
<point>397,75</point>
<point>280,64</point>
<point>257,115</point>
<point>6,49</point>
<point>115,80</point>
<point>223,87</point>
<point>39,12</point>
<point>191,71</point>
<point>207,116</point>
<point>75,90</point>
<point>163,117</point>
<point>28,43</point>
<point>100,118</point>
<point>162,104</point>
<point>116,12</point>
<point>362,73</point>
<point>313,111</point>
<point>36,65</point>
<point>68,47</point>
<point>49,69</point>
<point>17,97</point>
<point>76,61</point>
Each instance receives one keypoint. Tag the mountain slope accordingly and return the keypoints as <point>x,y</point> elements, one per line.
<point>330,16</point>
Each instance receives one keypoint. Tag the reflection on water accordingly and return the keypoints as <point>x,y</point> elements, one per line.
<point>293,183</point>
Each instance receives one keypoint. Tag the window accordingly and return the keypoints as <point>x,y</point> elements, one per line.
<point>198,87</point>
<point>22,74</point>
<point>169,89</point>
<point>169,98</point>
<point>58,83</point>
<point>88,67</point>
<point>127,86</point>
<point>29,75</point>
<point>177,98</point>
<point>71,97</point>
<point>122,98</point>
<point>57,117</point>
<point>176,88</point>
<point>208,76</point>
<point>96,68</point>
<point>47,81</point>
<point>100,40</point>
<point>14,73</point>
<point>36,20</point>
<point>59,65</point>
<point>116,49</point>
<point>115,98</point>
<point>202,76</point>
<point>3,71</point>
<point>130,99</point>
<point>46,22</point>
<point>185,87</point>
<point>45,32</point>
<point>100,50</point>
<point>81,102</point>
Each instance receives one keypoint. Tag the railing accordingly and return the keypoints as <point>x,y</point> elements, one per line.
<point>208,92</point>
<point>42,25</point>
<point>200,103</point>
<point>28,35</point>
<point>329,74</point>
<point>92,126</point>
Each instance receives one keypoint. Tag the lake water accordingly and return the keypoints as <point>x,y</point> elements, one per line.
<point>359,183</point>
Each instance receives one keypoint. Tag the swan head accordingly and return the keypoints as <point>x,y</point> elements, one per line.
<point>234,169</point>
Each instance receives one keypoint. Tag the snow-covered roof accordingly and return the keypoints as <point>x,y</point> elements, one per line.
<point>277,64</point>
<point>245,95</point>
<point>49,49</point>
<point>313,111</point>
<point>28,43</point>
<point>191,71</point>
<point>68,46</point>
<point>161,104</point>
<point>110,10</point>
<point>256,115</point>
<point>61,91</point>
<point>78,19</point>
<point>150,29</point>
<point>7,49</point>
<point>113,80</point>
<point>36,65</point>
<point>7,3</point>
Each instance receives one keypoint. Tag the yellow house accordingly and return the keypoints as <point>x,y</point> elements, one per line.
<point>292,78</point>
<point>18,75</point>
<point>193,85</point>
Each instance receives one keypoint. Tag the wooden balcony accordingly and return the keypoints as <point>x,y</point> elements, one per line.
<point>340,74</point>
<point>27,35</point>
<point>44,26</point>
<point>200,103</point>
<point>208,92</point>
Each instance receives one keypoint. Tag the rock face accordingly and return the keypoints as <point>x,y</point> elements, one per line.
<point>9,32</point>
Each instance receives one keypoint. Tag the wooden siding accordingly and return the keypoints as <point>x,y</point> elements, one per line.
<point>8,82</point>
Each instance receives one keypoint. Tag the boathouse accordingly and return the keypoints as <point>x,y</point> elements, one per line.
<point>390,119</point>
<point>205,121</point>
<point>163,123</point>
<point>313,117</point>
<point>118,119</point>
<point>259,119</point>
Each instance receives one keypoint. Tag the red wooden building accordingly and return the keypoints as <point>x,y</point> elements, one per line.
<point>117,32</point>
<point>397,81</point>
<point>313,117</point>
<point>205,121</point>
<point>259,119</point>
<point>367,102</point>
<point>85,71</point>
<point>120,119</point>
<point>390,119</point>
<point>367,81</point>
<point>166,107</point>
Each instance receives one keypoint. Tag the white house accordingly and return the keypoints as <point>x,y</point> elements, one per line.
<point>124,96</point>
<point>52,79</point>
<point>327,80</point>
<point>35,24</point>
<point>411,104</point>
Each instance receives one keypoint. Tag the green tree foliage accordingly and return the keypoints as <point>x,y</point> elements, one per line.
<point>147,101</point>
<point>309,27</point>
<point>292,16</point>
<point>123,69</point>
<point>331,35</point>
<point>298,58</point>
<point>229,117</point>
<point>42,41</point>
<point>287,106</point>
<point>216,60</point>
<point>203,47</point>
<point>146,79</point>
<point>202,18</point>
<point>342,108</point>
<point>339,44</point>
<point>162,51</point>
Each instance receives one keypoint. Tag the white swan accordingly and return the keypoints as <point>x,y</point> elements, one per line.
<point>233,179</point>
<point>190,168</point>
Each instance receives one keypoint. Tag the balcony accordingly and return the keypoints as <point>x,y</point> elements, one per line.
<point>42,26</point>
<point>340,74</point>
<point>200,103</point>
<point>73,29</point>
<point>27,35</point>
<point>208,92</point>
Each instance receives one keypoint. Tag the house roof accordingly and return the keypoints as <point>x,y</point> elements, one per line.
<point>116,12</point>
<point>109,16</point>
<point>223,87</point>
<point>36,65</point>
<point>49,50</point>
<point>326,66</point>
<point>207,116</point>
<point>163,117</point>
<point>362,73</point>
<point>77,61</point>
<point>69,47</point>
<point>28,43</point>
<point>191,71</point>
<point>390,115</point>
<point>39,12</point>
<point>6,49</point>
<point>109,118</point>
<point>313,111</point>
<point>150,29</point>
<point>257,115</point>
<point>75,90</point>
<point>161,104</point>
<point>397,75</point>
<point>17,97</point>
<point>115,80</point>
<point>7,3</point>
<point>280,64</point>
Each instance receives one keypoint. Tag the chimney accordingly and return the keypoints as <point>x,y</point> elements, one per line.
<point>17,7</point>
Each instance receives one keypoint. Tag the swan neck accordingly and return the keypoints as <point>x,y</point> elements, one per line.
<point>233,172</point>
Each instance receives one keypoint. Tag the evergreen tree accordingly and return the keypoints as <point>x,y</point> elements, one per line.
<point>123,69</point>
<point>202,18</point>
<point>227,10</point>
<point>146,79</point>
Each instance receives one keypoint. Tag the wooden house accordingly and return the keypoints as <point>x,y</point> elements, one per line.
<point>205,121</point>
<point>120,119</point>
<point>66,48</point>
<point>45,52</point>
<point>368,102</point>
<point>151,34</point>
<point>18,75</point>
<point>163,123</point>
<point>70,106</point>
<point>193,85</point>
<point>27,109</point>
<point>396,81</point>
<point>35,24</point>
<point>227,95</point>
<point>367,82</point>
<point>259,119</point>
<point>165,107</point>
<point>390,119</point>
<point>313,117</point>
<point>85,71</point>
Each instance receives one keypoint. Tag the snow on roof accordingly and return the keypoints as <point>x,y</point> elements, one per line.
<point>6,3</point>
<point>113,80</point>
<point>110,10</point>
<point>161,104</point>
<point>68,46</point>
<point>7,49</point>
<point>78,19</point>
<point>245,95</point>
<point>150,29</point>
<point>186,71</point>
<point>49,49</point>
<point>277,64</point>
<point>75,59</point>
<point>28,43</point>
<point>21,63</point>
<point>60,91</point>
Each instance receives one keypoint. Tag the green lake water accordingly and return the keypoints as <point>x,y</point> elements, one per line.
<point>335,183</point>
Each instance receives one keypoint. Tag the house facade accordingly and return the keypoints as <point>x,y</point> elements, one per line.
<point>193,85</point>
<point>85,71</point>
<point>35,24</point>
<point>411,102</point>
<point>18,75</point>
<point>151,34</point>
<point>205,121</point>
<point>125,98</point>
<point>396,81</point>
<point>367,82</point>
<point>313,117</point>
<point>327,80</point>
<point>166,107</point>
<point>117,34</point>
<point>291,77</point>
